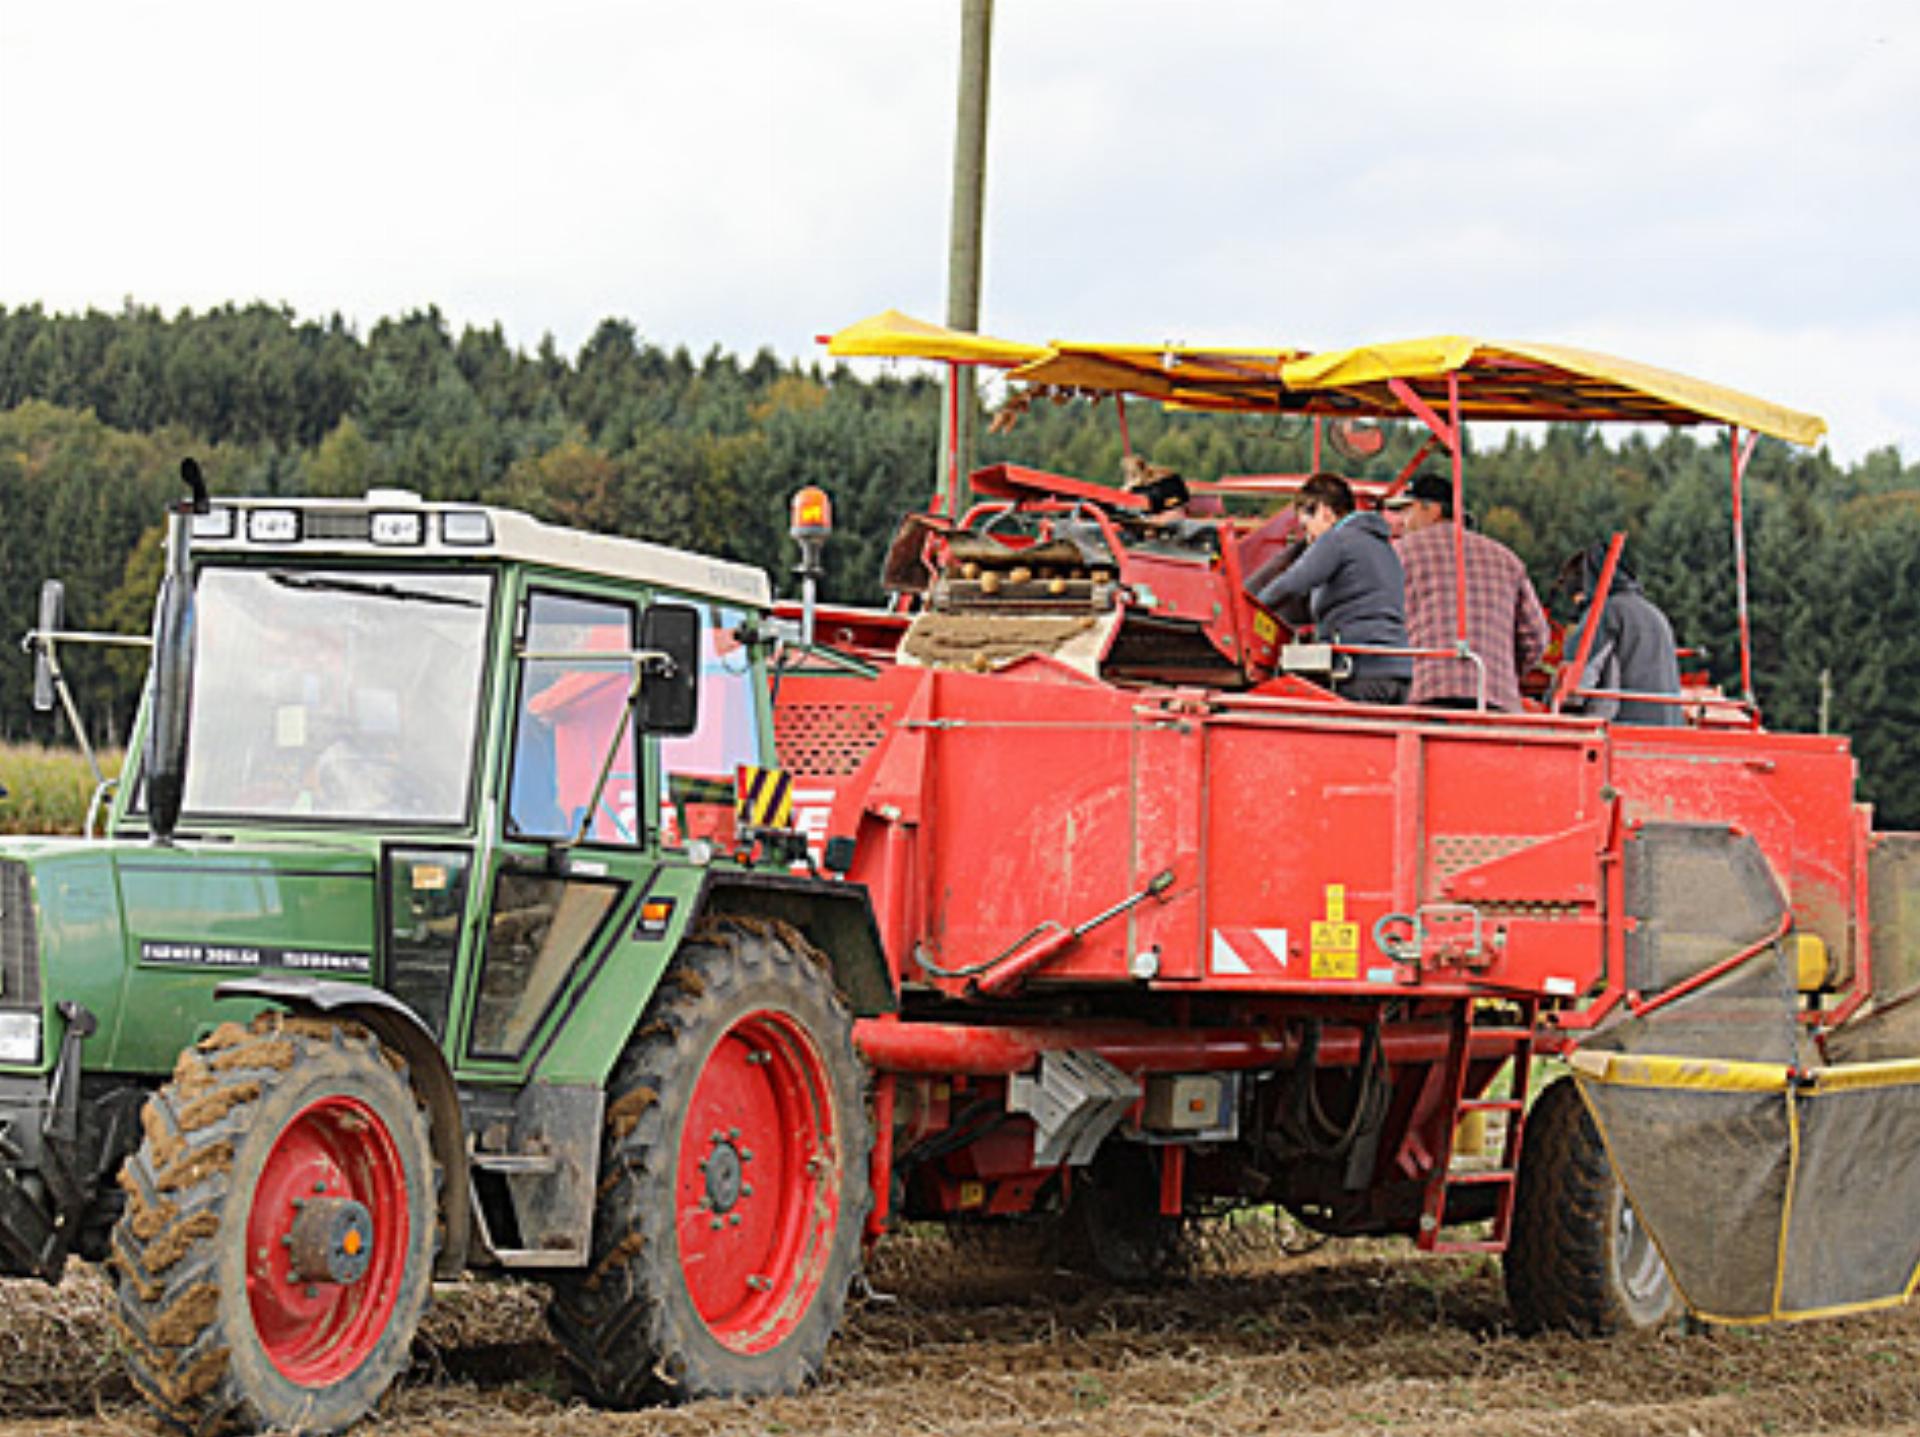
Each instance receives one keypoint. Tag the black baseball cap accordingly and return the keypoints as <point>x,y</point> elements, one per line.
<point>1428,488</point>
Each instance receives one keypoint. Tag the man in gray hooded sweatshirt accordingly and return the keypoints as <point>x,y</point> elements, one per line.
<point>1633,650</point>
<point>1355,587</point>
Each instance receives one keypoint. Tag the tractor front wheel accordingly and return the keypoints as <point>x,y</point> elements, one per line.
<point>1579,1259</point>
<point>734,1181</point>
<point>277,1248</point>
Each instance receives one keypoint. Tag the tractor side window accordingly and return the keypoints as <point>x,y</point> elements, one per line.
<point>572,714</point>
<point>540,929</point>
<point>427,896</point>
<point>698,771</point>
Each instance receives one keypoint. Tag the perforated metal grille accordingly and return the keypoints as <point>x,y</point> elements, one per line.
<point>327,524</point>
<point>1449,853</point>
<point>19,952</point>
<point>828,740</point>
<point>1697,894</point>
<point>1893,881</point>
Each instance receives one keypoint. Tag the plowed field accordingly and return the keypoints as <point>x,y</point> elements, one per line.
<point>1353,1338</point>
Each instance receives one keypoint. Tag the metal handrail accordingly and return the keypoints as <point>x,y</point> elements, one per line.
<point>1460,650</point>
<point>1681,700</point>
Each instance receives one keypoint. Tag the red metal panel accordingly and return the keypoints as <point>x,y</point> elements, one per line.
<point>1792,792</point>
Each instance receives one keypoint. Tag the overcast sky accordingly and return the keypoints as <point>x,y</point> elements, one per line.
<point>1727,189</point>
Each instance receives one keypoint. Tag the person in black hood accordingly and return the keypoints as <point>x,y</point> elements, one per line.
<point>1633,649</point>
<point>1354,585</point>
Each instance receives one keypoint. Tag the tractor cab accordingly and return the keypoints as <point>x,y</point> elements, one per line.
<point>451,843</point>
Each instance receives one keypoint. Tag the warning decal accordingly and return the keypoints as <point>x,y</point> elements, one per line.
<point>1335,943</point>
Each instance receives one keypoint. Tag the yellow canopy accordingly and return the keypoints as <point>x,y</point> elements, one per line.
<point>1502,380</point>
<point>1498,380</point>
<point>893,335</point>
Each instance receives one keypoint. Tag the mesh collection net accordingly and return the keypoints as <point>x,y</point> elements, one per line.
<point>1778,1180</point>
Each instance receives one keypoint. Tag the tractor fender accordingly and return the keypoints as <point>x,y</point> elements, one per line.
<point>401,1029</point>
<point>835,917</point>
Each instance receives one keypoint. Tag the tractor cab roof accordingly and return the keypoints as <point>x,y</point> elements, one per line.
<point>397,526</point>
<point>1496,379</point>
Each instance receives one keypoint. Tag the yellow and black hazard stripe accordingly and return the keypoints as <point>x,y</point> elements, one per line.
<point>763,797</point>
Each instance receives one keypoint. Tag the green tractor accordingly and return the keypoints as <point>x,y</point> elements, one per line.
<point>426,937</point>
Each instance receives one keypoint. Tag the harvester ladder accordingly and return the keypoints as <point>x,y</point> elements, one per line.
<point>1468,1038</point>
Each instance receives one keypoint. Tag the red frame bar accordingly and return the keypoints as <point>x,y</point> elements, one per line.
<point>1596,605</point>
<point>1741,453</point>
<point>1459,509</point>
<point>894,1045</point>
<point>1717,970</point>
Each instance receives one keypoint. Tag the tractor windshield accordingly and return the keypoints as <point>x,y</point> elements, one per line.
<point>336,694</point>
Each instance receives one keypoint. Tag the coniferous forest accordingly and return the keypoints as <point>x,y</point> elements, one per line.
<point>702,452</point>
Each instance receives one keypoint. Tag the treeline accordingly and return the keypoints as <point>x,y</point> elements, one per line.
<point>630,437</point>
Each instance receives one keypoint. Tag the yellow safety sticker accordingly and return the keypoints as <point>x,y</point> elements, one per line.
<point>1335,942</point>
<point>1265,629</point>
<point>763,797</point>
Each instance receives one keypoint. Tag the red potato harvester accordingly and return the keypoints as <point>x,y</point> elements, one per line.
<point>1176,929</point>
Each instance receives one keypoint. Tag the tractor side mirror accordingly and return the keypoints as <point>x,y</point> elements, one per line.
<point>669,700</point>
<point>164,761</point>
<point>53,609</point>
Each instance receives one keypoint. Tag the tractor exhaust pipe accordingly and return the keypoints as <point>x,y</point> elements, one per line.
<point>165,758</point>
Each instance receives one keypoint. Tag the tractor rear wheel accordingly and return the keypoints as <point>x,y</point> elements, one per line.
<point>1113,1227</point>
<point>734,1181</point>
<point>1579,1260</point>
<point>277,1248</point>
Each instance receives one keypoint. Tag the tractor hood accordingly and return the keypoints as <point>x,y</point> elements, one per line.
<point>140,935</point>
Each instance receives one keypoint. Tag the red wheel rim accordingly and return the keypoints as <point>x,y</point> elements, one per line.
<point>759,1189</point>
<point>315,1333</point>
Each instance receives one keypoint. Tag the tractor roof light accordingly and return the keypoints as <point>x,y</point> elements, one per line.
<point>388,527</point>
<point>273,526</point>
<point>214,524</point>
<point>812,514</point>
<point>466,527</point>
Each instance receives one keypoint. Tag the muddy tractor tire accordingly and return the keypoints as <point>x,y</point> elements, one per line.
<point>277,1247</point>
<point>734,1181</point>
<point>1578,1259</point>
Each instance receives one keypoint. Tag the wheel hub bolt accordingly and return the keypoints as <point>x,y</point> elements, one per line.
<point>331,1241</point>
<point>724,1187</point>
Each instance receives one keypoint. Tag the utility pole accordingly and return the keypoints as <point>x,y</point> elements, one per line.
<point>963,244</point>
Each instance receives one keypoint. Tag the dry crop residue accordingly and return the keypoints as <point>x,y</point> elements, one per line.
<point>1355,1338</point>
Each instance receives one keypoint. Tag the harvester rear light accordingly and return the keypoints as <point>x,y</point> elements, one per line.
<point>273,526</point>
<point>214,524</point>
<point>397,528</point>
<point>19,1037</point>
<point>464,526</point>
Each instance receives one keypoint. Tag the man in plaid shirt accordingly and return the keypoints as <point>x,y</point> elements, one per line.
<point>1506,626</point>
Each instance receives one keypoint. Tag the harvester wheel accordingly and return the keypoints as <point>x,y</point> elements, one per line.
<point>734,1181</point>
<point>277,1248</point>
<point>1579,1260</point>
<point>1113,1228</point>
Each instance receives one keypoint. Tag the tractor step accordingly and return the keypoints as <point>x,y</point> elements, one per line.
<point>517,1164</point>
<point>1480,1177</point>
<point>1503,1175</point>
<point>1482,1244</point>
